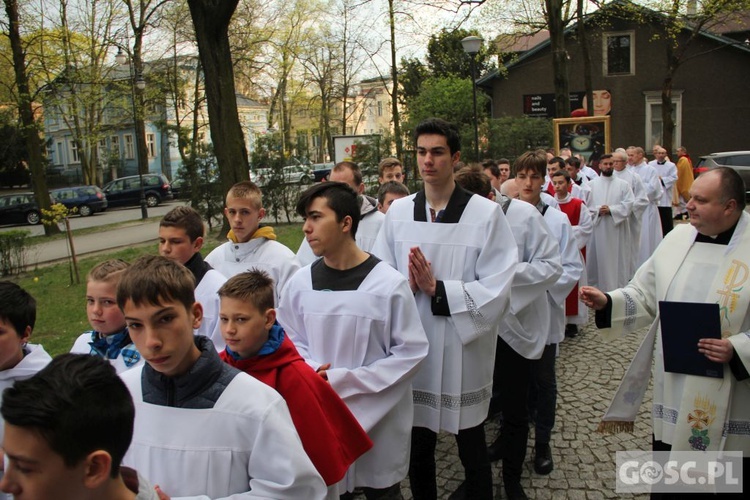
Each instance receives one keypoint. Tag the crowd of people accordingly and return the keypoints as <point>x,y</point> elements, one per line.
<point>259,372</point>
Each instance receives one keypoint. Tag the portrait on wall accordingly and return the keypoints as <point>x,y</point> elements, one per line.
<point>587,136</point>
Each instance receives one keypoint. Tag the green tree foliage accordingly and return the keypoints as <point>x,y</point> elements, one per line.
<point>510,136</point>
<point>412,74</point>
<point>446,56</point>
<point>449,98</point>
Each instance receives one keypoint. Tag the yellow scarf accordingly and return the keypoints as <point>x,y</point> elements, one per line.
<point>262,232</point>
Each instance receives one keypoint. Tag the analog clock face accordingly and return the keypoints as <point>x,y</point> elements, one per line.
<point>581,143</point>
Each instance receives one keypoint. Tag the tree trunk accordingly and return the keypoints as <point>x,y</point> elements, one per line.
<point>211,21</point>
<point>583,42</point>
<point>559,57</point>
<point>25,109</point>
<point>394,80</point>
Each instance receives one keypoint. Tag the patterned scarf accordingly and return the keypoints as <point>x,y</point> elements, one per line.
<point>115,345</point>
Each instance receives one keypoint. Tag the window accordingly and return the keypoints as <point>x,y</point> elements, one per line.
<point>74,158</point>
<point>129,147</point>
<point>151,145</point>
<point>654,126</point>
<point>60,156</point>
<point>114,142</point>
<point>619,54</point>
<point>380,108</point>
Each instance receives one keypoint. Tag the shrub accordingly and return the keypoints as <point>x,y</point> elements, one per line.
<point>13,246</point>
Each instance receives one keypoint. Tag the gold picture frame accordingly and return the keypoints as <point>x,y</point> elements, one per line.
<point>588,136</point>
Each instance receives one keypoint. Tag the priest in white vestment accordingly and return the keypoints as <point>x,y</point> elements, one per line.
<point>651,233</point>
<point>667,176</point>
<point>640,204</point>
<point>707,261</point>
<point>608,261</point>
<point>459,253</point>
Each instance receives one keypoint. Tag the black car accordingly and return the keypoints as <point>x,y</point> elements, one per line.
<point>86,200</point>
<point>127,190</point>
<point>19,208</point>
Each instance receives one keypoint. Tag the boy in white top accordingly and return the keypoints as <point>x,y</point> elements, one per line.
<point>18,360</point>
<point>181,233</point>
<point>109,336</point>
<point>353,318</point>
<point>203,429</point>
<point>251,245</point>
<point>460,256</point>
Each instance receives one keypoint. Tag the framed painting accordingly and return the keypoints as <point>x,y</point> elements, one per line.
<point>588,136</point>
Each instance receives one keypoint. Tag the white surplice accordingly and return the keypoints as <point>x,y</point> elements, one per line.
<point>572,268</point>
<point>374,341</point>
<point>651,233</point>
<point>525,328</point>
<point>637,215</point>
<point>608,257</point>
<point>475,258</point>
<point>668,173</point>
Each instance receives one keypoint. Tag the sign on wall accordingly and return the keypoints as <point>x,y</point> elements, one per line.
<point>543,105</point>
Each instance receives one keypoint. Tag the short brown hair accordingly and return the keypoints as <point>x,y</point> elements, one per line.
<point>474,180</point>
<point>254,286</point>
<point>187,219</point>
<point>154,280</point>
<point>249,190</point>
<point>109,271</point>
<point>356,172</point>
<point>388,163</point>
<point>532,160</point>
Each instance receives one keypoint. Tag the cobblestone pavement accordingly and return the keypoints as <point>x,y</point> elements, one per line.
<point>588,373</point>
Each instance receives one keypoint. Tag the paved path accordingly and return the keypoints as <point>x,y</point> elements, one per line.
<point>588,372</point>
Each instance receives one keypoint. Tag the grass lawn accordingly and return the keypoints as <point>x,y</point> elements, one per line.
<point>61,306</point>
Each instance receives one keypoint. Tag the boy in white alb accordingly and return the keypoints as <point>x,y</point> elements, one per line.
<point>203,429</point>
<point>251,245</point>
<point>460,257</point>
<point>181,233</point>
<point>353,319</point>
<point>19,359</point>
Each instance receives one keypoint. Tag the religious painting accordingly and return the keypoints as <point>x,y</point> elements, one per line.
<point>587,136</point>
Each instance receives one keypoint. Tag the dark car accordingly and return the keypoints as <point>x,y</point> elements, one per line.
<point>736,160</point>
<point>321,171</point>
<point>19,208</point>
<point>127,190</point>
<point>86,200</point>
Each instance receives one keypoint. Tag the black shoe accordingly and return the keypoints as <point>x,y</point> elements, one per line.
<point>494,451</point>
<point>571,331</point>
<point>514,491</point>
<point>543,463</point>
<point>460,493</point>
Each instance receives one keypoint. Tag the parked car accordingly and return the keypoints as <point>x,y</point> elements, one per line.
<point>293,174</point>
<point>737,160</point>
<point>321,171</point>
<point>19,208</point>
<point>127,190</point>
<point>87,200</point>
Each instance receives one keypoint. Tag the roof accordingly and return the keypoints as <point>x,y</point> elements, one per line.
<point>487,79</point>
<point>519,42</point>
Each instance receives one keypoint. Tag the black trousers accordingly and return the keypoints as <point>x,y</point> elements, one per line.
<point>511,385</point>
<point>472,450</point>
<point>667,222</point>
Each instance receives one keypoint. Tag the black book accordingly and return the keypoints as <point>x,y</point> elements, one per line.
<point>682,325</point>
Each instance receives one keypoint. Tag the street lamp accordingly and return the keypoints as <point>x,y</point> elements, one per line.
<point>471,45</point>
<point>136,82</point>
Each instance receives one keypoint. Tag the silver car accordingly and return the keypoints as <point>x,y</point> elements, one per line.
<point>737,160</point>
<point>293,174</point>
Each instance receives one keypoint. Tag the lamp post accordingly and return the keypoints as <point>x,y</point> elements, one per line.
<point>471,45</point>
<point>137,83</point>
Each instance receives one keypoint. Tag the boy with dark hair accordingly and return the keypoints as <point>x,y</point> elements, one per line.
<point>459,256</point>
<point>353,319</point>
<point>181,233</point>
<point>18,359</point>
<point>390,191</point>
<point>246,445</point>
<point>258,345</point>
<point>251,244</point>
<point>109,337</point>
<point>70,424</point>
